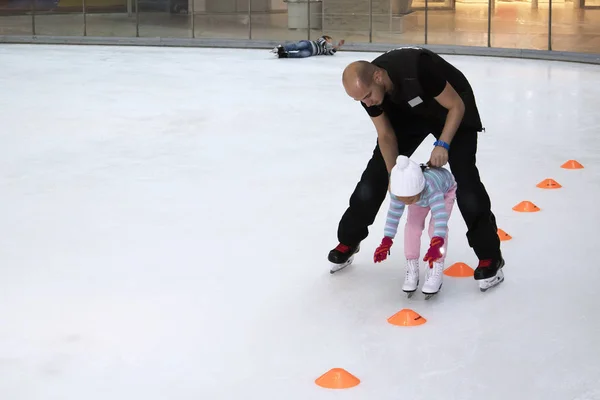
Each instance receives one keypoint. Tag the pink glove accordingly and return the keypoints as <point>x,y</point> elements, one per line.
<point>435,250</point>
<point>383,250</point>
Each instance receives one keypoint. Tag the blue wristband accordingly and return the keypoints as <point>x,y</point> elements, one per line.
<point>441,143</point>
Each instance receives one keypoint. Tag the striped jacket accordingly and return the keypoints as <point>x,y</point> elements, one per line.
<point>438,181</point>
<point>321,47</point>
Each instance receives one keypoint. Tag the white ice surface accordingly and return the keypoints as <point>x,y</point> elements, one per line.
<point>166,214</point>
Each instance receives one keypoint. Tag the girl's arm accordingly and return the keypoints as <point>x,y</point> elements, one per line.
<point>439,214</point>
<point>393,217</point>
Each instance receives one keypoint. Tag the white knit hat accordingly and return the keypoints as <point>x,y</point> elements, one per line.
<point>407,178</point>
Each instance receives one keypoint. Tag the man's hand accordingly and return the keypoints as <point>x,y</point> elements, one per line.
<point>439,157</point>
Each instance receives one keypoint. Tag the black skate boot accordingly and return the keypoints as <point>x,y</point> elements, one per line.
<point>342,256</point>
<point>281,53</point>
<point>489,273</point>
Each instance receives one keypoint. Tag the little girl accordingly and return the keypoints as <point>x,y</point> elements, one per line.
<point>307,48</point>
<point>422,189</point>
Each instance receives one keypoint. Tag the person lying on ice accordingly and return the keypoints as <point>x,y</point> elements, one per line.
<point>308,48</point>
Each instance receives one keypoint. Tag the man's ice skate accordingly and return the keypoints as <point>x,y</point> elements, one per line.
<point>342,256</point>
<point>433,280</point>
<point>411,279</point>
<point>489,273</point>
<point>485,284</point>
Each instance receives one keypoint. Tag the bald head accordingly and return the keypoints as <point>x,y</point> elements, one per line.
<point>357,75</point>
<point>363,82</point>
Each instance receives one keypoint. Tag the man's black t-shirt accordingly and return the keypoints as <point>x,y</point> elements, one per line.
<point>431,78</point>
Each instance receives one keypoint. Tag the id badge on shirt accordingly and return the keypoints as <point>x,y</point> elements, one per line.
<point>415,102</point>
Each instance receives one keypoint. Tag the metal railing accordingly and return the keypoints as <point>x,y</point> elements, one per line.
<point>133,7</point>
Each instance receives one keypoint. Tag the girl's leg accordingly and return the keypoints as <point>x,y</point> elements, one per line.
<point>413,230</point>
<point>415,223</point>
<point>449,199</point>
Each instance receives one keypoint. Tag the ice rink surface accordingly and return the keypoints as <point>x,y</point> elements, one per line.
<point>166,214</point>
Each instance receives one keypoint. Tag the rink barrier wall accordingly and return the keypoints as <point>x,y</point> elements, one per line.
<point>269,44</point>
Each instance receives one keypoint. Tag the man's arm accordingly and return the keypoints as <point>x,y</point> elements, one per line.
<point>388,144</point>
<point>456,110</point>
<point>434,83</point>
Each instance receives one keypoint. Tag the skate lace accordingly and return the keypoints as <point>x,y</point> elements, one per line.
<point>342,248</point>
<point>437,268</point>
<point>434,271</point>
<point>411,268</point>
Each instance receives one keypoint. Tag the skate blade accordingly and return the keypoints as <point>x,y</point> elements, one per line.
<point>410,293</point>
<point>485,285</point>
<point>430,295</point>
<point>338,267</point>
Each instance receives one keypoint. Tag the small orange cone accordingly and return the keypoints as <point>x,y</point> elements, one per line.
<point>526,206</point>
<point>549,184</point>
<point>572,164</point>
<point>459,270</point>
<point>337,378</point>
<point>406,317</point>
<point>503,235</point>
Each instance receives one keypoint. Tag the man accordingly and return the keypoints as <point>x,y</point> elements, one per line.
<point>409,93</point>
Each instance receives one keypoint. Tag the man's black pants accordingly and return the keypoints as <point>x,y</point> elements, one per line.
<point>471,196</point>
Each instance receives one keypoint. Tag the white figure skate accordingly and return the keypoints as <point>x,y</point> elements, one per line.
<point>433,280</point>
<point>411,279</point>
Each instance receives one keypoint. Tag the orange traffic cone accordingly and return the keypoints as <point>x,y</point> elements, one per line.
<point>459,270</point>
<point>549,184</point>
<point>572,164</point>
<point>337,378</point>
<point>526,206</point>
<point>406,317</point>
<point>503,235</point>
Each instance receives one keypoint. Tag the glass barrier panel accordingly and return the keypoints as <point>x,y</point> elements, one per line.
<point>520,24</point>
<point>164,18</point>
<point>106,18</point>
<point>348,20</point>
<point>59,17</point>
<point>16,17</point>
<point>221,19</point>
<point>283,20</point>
<point>456,22</point>
<point>576,26</point>
<point>398,21</point>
